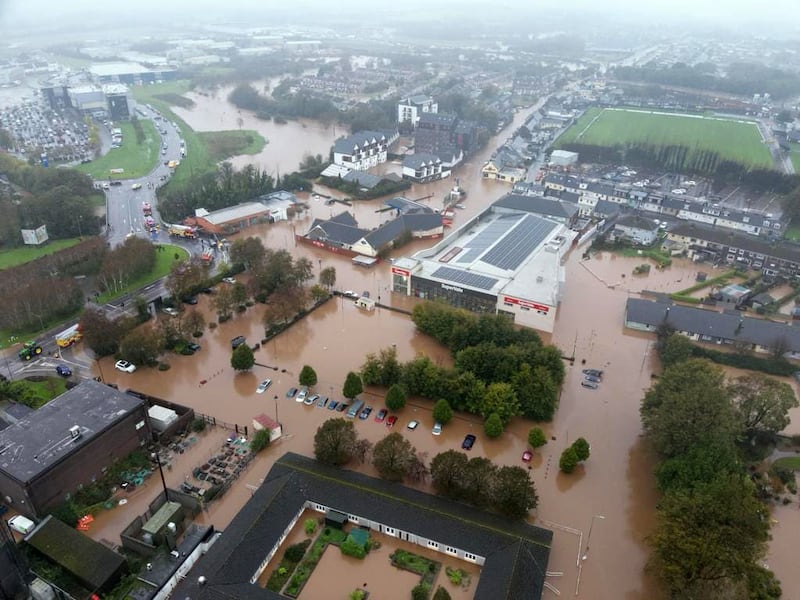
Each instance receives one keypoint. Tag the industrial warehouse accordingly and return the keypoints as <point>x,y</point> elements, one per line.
<point>502,261</point>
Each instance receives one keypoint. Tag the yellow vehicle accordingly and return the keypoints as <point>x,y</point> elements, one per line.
<point>66,338</point>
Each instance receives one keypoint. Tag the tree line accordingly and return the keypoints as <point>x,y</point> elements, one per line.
<point>500,372</point>
<point>713,523</point>
<point>477,481</point>
<point>61,199</point>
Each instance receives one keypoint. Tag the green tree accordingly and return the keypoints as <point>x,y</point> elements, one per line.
<point>477,485</point>
<point>447,472</point>
<point>568,460</point>
<point>493,426</point>
<point>238,294</point>
<point>442,412</point>
<point>260,441</point>
<point>762,403</point>
<point>100,333</point>
<point>698,466</point>
<point>514,493</point>
<point>249,252</point>
<point>308,376</point>
<point>242,358</point>
<point>352,386</point>
<point>674,349</point>
<point>501,400</point>
<point>395,397</point>
<point>393,456</point>
<point>335,442</point>
<point>536,391</point>
<point>142,346</point>
<point>327,277</point>
<point>582,448</point>
<point>711,534</point>
<point>318,293</point>
<point>689,404</point>
<point>536,438</point>
<point>421,591</point>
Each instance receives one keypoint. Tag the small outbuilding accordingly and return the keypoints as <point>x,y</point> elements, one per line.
<point>262,421</point>
<point>734,293</point>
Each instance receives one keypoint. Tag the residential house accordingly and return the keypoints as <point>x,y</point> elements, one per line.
<point>506,165</point>
<point>410,109</point>
<point>726,246</point>
<point>635,229</point>
<point>422,168</point>
<point>361,150</point>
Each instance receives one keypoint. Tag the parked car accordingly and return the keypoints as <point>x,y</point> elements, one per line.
<point>230,280</point>
<point>469,442</point>
<point>172,312</point>
<point>238,341</point>
<point>412,425</point>
<point>193,347</point>
<point>342,407</point>
<point>391,421</point>
<point>332,405</point>
<point>589,384</point>
<point>189,300</point>
<point>437,428</point>
<point>322,401</point>
<point>301,397</point>
<point>291,393</point>
<point>136,186</point>
<point>527,456</point>
<point>262,387</point>
<point>64,370</point>
<point>593,372</point>
<point>381,415</point>
<point>124,366</point>
<point>365,412</point>
<point>591,378</point>
<point>350,294</point>
<point>312,399</point>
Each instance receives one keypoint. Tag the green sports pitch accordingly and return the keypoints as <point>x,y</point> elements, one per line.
<point>697,136</point>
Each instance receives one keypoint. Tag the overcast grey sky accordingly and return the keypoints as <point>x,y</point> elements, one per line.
<point>781,13</point>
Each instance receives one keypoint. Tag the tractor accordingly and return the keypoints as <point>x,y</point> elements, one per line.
<point>29,350</point>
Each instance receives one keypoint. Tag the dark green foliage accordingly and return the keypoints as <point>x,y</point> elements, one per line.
<point>335,442</point>
<point>199,424</point>
<point>421,592</point>
<point>513,493</point>
<point>441,594</point>
<point>568,460</point>
<point>493,426</point>
<point>351,548</point>
<point>383,369</point>
<point>395,398</point>
<point>65,513</point>
<point>260,441</point>
<point>242,358</point>
<point>536,438</point>
<point>581,447</point>
<point>674,349</point>
<point>442,412</point>
<point>393,457</point>
<point>308,376</point>
<point>352,386</point>
<point>295,552</point>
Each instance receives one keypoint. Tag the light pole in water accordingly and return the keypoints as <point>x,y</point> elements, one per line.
<point>588,537</point>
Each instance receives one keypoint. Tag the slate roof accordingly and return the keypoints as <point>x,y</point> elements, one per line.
<point>726,237</point>
<point>606,208</point>
<point>362,178</point>
<point>415,161</point>
<point>391,230</point>
<point>93,564</point>
<point>439,119</point>
<point>726,326</point>
<point>341,229</point>
<point>516,553</point>
<point>637,222</point>
<point>540,205</point>
<point>358,140</point>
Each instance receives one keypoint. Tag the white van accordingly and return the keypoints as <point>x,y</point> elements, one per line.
<point>21,524</point>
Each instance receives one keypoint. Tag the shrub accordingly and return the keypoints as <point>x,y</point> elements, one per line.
<point>163,366</point>
<point>442,412</point>
<point>454,575</point>
<point>351,548</point>
<point>260,441</point>
<point>581,447</point>
<point>536,437</point>
<point>199,424</point>
<point>421,592</point>
<point>310,526</point>
<point>568,461</point>
<point>441,594</point>
<point>493,426</point>
<point>295,552</point>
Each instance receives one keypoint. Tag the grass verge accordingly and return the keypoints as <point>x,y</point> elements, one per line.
<point>136,159</point>
<point>787,462</point>
<point>19,256</point>
<point>224,144</point>
<point>41,390</point>
<point>164,260</point>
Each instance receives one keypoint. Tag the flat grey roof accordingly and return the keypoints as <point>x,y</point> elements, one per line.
<point>34,444</point>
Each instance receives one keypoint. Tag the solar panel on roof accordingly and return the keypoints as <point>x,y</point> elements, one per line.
<point>471,279</point>
<point>493,232</point>
<point>510,252</point>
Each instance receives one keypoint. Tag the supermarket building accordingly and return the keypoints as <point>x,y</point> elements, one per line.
<point>501,261</point>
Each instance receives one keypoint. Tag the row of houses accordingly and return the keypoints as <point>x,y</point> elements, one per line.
<point>682,207</point>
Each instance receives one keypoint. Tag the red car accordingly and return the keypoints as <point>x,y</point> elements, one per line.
<point>527,456</point>
<point>381,415</point>
<point>391,421</point>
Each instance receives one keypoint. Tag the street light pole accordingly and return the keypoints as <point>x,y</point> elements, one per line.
<point>276,410</point>
<point>161,471</point>
<point>588,537</point>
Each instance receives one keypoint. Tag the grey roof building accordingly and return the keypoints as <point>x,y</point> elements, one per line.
<point>712,326</point>
<point>513,555</point>
<point>67,443</point>
<point>552,208</point>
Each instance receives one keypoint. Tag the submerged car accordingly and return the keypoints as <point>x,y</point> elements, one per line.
<point>124,366</point>
<point>469,442</point>
<point>437,428</point>
<point>291,393</point>
<point>412,425</point>
<point>262,387</point>
<point>589,384</point>
<point>593,372</point>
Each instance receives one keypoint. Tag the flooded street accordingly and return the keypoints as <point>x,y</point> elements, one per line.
<point>600,515</point>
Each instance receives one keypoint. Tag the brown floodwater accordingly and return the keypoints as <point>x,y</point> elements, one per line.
<point>608,504</point>
<point>336,575</point>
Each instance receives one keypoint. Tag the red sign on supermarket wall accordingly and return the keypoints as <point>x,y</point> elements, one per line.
<point>399,271</point>
<point>526,303</point>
